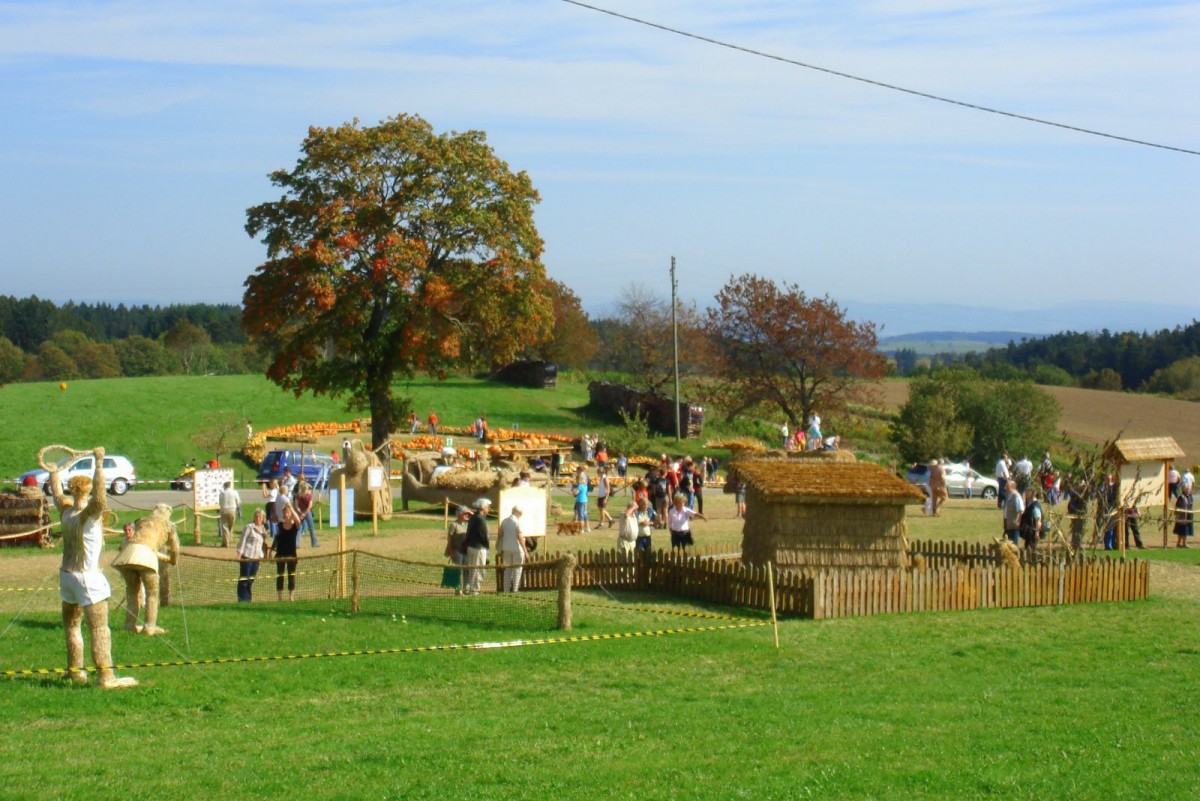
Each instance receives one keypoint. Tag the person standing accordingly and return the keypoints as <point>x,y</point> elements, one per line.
<point>250,550</point>
<point>679,519</point>
<point>456,544</point>
<point>645,525</point>
<point>1002,476</point>
<point>627,535</point>
<point>555,465</point>
<point>698,488</point>
<point>1184,518</point>
<point>303,502</point>
<point>1014,507</point>
<point>511,542</point>
<point>81,582</point>
<point>413,422</point>
<point>783,432</point>
<point>433,422</point>
<point>580,491</point>
<point>287,482</point>
<point>270,493</point>
<point>229,505</point>
<point>284,544</point>
<point>478,542</point>
<point>1031,519</point>
<point>815,437</point>
<point>1132,515</point>
<point>739,497</point>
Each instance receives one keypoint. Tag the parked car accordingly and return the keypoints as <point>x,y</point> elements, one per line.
<point>118,472</point>
<point>305,464</point>
<point>956,481</point>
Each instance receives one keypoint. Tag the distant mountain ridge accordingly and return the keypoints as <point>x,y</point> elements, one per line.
<point>991,338</point>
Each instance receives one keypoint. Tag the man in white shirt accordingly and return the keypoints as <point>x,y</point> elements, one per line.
<point>512,547</point>
<point>1002,477</point>
<point>230,505</point>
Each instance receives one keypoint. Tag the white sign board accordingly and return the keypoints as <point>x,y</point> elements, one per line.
<point>533,502</point>
<point>374,478</point>
<point>207,486</point>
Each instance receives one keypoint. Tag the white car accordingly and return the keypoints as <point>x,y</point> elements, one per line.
<point>118,472</point>
<point>956,481</point>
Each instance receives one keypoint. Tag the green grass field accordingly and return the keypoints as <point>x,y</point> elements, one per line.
<point>1083,702</point>
<point>1077,703</point>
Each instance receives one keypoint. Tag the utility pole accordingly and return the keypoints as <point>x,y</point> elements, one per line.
<point>675,345</point>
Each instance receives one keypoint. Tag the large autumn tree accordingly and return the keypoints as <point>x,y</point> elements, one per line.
<point>778,349</point>
<point>394,250</point>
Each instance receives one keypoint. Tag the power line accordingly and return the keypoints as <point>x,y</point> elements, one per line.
<point>880,84</point>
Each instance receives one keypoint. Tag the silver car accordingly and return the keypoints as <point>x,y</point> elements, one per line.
<point>956,480</point>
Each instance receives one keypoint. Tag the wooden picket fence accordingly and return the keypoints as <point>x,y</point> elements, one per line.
<point>852,593</point>
<point>976,581</point>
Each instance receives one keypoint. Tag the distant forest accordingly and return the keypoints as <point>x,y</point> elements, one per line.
<point>41,341</point>
<point>1165,361</point>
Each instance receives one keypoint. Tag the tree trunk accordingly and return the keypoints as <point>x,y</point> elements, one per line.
<point>381,409</point>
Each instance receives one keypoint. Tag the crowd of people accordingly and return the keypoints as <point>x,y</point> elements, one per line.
<point>1024,488</point>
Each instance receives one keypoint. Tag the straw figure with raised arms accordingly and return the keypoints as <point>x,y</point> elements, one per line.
<point>139,561</point>
<point>84,589</point>
<point>355,461</point>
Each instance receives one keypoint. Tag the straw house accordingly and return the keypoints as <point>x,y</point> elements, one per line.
<point>1142,466</point>
<point>823,513</point>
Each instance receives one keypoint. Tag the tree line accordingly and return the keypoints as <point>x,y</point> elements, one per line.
<point>1164,361</point>
<point>43,341</point>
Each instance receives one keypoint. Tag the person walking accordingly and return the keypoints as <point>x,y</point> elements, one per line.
<point>478,542</point>
<point>603,490</point>
<point>250,550</point>
<point>229,506</point>
<point>513,551</point>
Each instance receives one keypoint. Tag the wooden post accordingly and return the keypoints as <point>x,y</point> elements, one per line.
<point>195,527</point>
<point>1166,500</point>
<point>374,514</point>
<point>354,605</point>
<point>771,599</point>
<point>342,535</point>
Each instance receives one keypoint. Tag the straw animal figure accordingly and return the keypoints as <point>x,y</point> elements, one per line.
<point>139,561</point>
<point>1008,552</point>
<point>355,460</point>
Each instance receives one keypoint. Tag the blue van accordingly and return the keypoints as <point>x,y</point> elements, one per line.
<point>310,466</point>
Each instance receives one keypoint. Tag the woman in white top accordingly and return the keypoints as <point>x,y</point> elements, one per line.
<point>250,551</point>
<point>679,521</point>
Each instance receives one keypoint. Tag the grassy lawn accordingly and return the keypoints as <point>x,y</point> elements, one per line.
<point>1083,702</point>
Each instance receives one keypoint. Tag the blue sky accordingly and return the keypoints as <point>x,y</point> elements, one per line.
<point>136,134</point>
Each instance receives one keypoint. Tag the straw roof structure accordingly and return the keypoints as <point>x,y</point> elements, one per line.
<point>1147,449</point>
<point>823,513</point>
<point>820,481</point>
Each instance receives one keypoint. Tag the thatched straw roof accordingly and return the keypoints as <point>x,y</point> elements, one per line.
<point>1148,449</point>
<point>823,482</point>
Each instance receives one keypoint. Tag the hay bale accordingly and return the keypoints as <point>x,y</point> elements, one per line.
<point>469,480</point>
